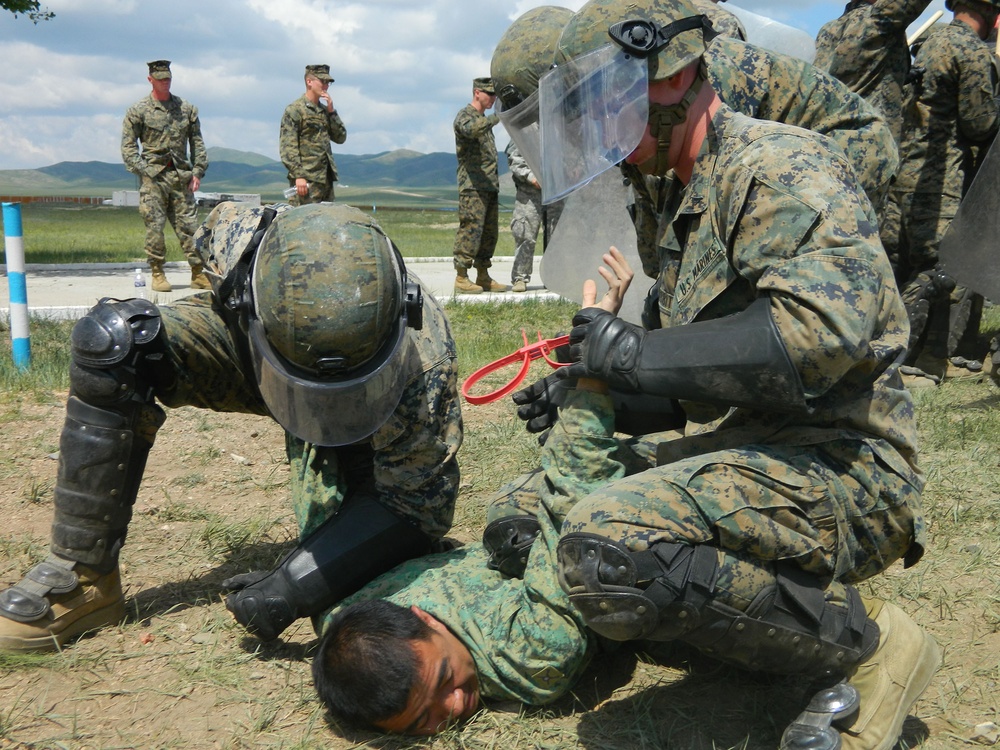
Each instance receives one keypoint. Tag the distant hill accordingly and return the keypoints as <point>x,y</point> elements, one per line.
<point>243,172</point>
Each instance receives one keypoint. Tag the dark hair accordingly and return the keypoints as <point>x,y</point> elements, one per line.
<point>365,667</point>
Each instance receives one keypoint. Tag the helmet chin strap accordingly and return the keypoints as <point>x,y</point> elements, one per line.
<point>663,118</point>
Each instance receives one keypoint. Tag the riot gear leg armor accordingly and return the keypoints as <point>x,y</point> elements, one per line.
<point>669,593</point>
<point>508,541</point>
<point>111,423</point>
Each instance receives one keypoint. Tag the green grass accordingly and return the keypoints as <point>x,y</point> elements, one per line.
<point>59,233</point>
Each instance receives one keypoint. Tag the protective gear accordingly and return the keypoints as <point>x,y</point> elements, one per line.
<point>669,593</point>
<point>72,598</point>
<point>522,56</point>
<point>890,682</point>
<point>327,317</point>
<point>994,4</point>
<point>362,541</point>
<point>812,730</point>
<point>159,278</point>
<point>635,413</point>
<point>595,104</point>
<point>111,423</point>
<point>508,542</point>
<point>738,360</point>
<point>919,296</point>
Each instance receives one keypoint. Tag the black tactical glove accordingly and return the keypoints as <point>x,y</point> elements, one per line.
<point>606,347</point>
<point>538,404</point>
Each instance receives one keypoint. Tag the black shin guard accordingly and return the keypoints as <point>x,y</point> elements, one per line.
<point>362,541</point>
<point>668,593</point>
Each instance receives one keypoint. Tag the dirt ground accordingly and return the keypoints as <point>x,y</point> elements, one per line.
<point>180,673</point>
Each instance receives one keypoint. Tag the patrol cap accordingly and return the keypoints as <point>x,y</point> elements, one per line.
<point>321,72</point>
<point>484,84</point>
<point>159,69</point>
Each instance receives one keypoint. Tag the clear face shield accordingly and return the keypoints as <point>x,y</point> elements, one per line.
<point>593,112</point>
<point>521,123</point>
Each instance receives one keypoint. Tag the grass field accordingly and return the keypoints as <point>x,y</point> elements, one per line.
<point>179,673</point>
<point>55,233</point>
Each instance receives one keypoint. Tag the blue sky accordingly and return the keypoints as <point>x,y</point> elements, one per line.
<point>403,68</point>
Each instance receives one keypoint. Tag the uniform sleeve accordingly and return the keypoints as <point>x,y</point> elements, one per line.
<point>471,128</point>
<point>288,142</point>
<point>131,131</point>
<point>892,16</point>
<point>977,104</point>
<point>338,131</point>
<point>519,168</point>
<point>199,154</point>
<point>805,237</point>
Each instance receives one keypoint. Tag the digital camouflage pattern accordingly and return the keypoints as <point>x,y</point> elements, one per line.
<point>172,153</point>
<point>527,217</point>
<point>306,132</point>
<point>410,460</point>
<point>528,642</point>
<point>768,85</point>
<point>476,149</point>
<point>524,52</point>
<point>478,228</point>
<point>722,20</point>
<point>951,112</point>
<point>776,212</point>
<point>866,49</point>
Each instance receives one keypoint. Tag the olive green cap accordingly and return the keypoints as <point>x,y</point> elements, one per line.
<point>321,72</point>
<point>159,69</point>
<point>484,84</point>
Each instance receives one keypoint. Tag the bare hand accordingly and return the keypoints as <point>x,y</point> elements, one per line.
<point>301,187</point>
<point>194,184</point>
<point>619,277</point>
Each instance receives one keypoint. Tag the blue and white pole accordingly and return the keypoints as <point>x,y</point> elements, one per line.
<point>13,240</point>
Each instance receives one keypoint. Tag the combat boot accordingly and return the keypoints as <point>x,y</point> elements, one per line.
<point>520,286</point>
<point>160,283</point>
<point>487,284</point>
<point>198,278</point>
<point>890,682</point>
<point>95,601</point>
<point>463,285</point>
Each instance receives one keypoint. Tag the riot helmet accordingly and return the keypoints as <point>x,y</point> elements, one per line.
<point>522,56</point>
<point>594,105</point>
<point>328,311</point>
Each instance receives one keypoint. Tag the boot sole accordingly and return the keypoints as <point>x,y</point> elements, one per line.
<point>99,618</point>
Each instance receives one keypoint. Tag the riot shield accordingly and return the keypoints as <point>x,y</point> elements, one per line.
<point>770,34</point>
<point>968,250</point>
<point>593,219</point>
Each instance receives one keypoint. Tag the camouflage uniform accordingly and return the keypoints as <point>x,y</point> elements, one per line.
<point>836,490</point>
<point>528,643</point>
<point>770,86</point>
<point>410,459</point>
<point>166,131</point>
<point>951,113</point>
<point>866,49</point>
<point>304,144</point>
<point>478,189</point>
<point>722,20</point>
<point>527,217</point>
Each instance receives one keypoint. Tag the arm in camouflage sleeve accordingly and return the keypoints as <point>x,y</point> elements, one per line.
<point>472,127</point>
<point>338,131</point>
<point>131,131</point>
<point>288,142</point>
<point>977,104</point>
<point>199,154</point>
<point>895,15</point>
<point>519,168</point>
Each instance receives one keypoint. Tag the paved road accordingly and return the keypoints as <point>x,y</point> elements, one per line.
<point>68,291</point>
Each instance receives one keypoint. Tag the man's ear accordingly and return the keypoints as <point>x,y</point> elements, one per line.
<point>429,619</point>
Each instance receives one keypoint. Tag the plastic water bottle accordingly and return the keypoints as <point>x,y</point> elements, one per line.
<point>140,284</point>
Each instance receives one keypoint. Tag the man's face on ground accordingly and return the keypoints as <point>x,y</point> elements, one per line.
<point>447,687</point>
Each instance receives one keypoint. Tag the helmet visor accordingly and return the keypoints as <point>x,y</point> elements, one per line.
<point>593,112</point>
<point>521,123</point>
<point>331,412</point>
